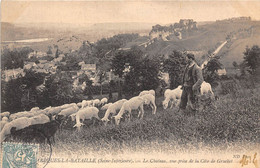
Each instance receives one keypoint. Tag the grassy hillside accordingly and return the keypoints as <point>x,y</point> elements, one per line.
<point>233,51</point>
<point>234,121</point>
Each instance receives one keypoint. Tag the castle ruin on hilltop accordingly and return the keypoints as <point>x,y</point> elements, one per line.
<point>172,31</point>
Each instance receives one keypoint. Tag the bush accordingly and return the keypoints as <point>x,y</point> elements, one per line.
<point>230,87</point>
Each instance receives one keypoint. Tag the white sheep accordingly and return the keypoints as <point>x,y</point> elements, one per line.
<point>103,101</point>
<point>34,109</point>
<point>206,95</point>
<point>39,119</point>
<point>67,105</point>
<point>205,88</point>
<point>96,103</point>
<point>85,113</point>
<point>37,112</point>
<point>15,115</point>
<point>150,100</point>
<point>171,95</point>
<point>3,122</point>
<point>73,116</point>
<point>86,103</point>
<point>47,108</point>
<point>105,107</point>
<point>69,111</point>
<point>147,92</point>
<point>5,114</point>
<point>112,110</point>
<point>21,114</point>
<point>79,104</point>
<point>132,104</point>
<point>54,111</point>
<point>19,123</point>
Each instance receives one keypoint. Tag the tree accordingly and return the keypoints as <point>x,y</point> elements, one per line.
<point>110,95</point>
<point>137,70</point>
<point>59,88</point>
<point>175,65</point>
<point>57,53</point>
<point>252,59</point>
<point>125,65</point>
<point>12,59</point>
<point>30,81</point>
<point>11,95</point>
<point>101,79</point>
<point>210,74</point>
<point>146,73</point>
<point>71,63</point>
<point>21,93</point>
<point>88,89</point>
<point>235,64</point>
<point>49,52</point>
<point>118,66</point>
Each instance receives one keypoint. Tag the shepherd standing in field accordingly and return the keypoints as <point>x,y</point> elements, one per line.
<point>192,80</point>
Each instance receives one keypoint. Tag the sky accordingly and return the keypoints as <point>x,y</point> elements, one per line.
<point>162,12</point>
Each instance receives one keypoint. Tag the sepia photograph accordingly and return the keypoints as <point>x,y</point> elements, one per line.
<point>130,83</point>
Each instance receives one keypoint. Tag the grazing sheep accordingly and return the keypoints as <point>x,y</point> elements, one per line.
<point>5,114</point>
<point>96,103</point>
<point>69,111</point>
<point>79,104</point>
<point>40,119</point>
<point>85,113</point>
<point>205,88</point>
<point>19,123</point>
<point>105,107</point>
<point>132,104</point>
<point>47,108</point>
<point>147,92</point>
<point>34,109</point>
<point>171,95</point>
<point>150,100</point>
<point>38,112</point>
<point>103,101</point>
<point>73,116</point>
<point>112,110</point>
<point>65,106</point>
<point>21,114</point>
<point>206,96</point>
<point>54,111</point>
<point>86,103</point>
<point>3,122</point>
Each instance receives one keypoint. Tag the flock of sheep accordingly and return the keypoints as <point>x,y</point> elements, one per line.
<point>38,123</point>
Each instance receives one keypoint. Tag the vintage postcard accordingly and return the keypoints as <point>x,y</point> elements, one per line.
<point>140,84</point>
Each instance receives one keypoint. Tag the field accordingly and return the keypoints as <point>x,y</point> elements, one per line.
<point>232,126</point>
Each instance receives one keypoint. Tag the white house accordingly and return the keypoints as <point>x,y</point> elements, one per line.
<point>222,72</point>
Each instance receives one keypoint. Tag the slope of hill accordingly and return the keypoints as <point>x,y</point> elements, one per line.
<point>209,36</point>
<point>234,50</point>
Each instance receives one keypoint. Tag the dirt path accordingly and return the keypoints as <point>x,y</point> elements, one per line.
<point>213,54</point>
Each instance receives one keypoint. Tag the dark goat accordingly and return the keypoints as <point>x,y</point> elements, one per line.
<point>37,132</point>
<point>27,134</point>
